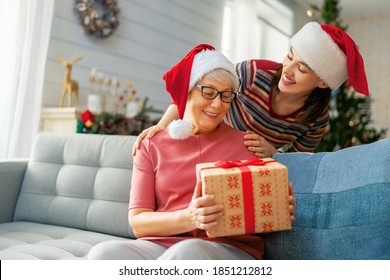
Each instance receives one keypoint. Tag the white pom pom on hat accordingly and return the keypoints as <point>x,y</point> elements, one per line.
<point>180,129</point>
<point>331,54</point>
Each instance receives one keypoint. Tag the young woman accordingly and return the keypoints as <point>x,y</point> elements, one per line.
<point>284,107</point>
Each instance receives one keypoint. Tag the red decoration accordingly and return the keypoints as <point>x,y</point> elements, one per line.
<point>268,227</point>
<point>265,189</point>
<point>266,209</point>
<point>87,118</point>
<point>233,182</point>
<point>235,221</point>
<point>234,201</point>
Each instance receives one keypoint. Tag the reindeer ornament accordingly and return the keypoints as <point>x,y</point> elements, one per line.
<point>69,86</point>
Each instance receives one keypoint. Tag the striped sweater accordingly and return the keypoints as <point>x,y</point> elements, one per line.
<point>252,110</point>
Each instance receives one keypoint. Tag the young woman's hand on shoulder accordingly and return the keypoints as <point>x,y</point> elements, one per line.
<point>258,145</point>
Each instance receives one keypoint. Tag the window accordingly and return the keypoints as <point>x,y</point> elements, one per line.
<point>275,21</point>
<point>227,28</point>
<point>256,29</point>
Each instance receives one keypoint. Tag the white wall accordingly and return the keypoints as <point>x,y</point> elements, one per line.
<point>372,36</point>
<point>152,36</point>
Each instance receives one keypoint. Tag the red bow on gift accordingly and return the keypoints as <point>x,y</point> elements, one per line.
<point>237,163</point>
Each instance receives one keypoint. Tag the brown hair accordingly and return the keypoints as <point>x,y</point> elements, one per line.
<point>315,104</point>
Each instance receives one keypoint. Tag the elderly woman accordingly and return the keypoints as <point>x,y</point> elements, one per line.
<point>167,212</point>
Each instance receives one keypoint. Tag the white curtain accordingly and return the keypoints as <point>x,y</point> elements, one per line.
<point>24,39</point>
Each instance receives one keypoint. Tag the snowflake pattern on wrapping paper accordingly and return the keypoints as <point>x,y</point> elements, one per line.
<point>266,209</point>
<point>233,182</point>
<point>268,227</point>
<point>235,221</point>
<point>264,172</point>
<point>265,189</point>
<point>234,201</point>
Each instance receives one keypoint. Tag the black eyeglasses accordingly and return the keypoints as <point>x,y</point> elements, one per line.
<point>211,93</point>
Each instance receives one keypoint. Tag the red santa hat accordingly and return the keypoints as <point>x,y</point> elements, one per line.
<point>182,77</point>
<point>331,54</point>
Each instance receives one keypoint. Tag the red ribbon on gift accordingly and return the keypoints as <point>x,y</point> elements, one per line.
<point>246,175</point>
<point>238,163</point>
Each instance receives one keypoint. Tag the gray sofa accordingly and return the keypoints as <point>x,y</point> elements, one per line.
<point>70,195</point>
<point>73,192</point>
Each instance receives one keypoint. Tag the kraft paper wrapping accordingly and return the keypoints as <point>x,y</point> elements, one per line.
<point>255,197</point>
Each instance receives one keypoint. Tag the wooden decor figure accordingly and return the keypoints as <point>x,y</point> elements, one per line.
<point>69,86</point>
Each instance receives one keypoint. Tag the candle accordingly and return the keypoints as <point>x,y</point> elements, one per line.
<point>132,109</point>
<point>115,82</point>
<point>99,77</point>
<point>94,103</point>
<point>93,72</point>
<point>107,82</point>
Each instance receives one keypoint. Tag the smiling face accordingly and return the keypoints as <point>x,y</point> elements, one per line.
<point>297,77</point>
<point>204,114</point>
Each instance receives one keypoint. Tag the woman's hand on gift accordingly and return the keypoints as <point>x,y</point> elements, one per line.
<point>202,212</point>
<point>258,145</point>
<point>291,201</point>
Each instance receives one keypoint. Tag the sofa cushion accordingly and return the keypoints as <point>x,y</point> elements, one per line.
<point>33,241</point>
<point>79,181</point>
<point>342,205</point>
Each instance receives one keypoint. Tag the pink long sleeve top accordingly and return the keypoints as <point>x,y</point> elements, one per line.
<point>164,178</point>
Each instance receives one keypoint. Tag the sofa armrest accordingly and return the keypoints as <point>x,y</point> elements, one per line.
<point>342,205</point>
<point>11,178</point>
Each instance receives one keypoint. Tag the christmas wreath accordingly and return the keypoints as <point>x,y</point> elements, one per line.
<point>98,17</point>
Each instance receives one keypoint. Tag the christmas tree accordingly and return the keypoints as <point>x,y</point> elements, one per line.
<point>349,111</point>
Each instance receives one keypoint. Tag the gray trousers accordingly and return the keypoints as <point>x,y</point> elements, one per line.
<point>191,249</point>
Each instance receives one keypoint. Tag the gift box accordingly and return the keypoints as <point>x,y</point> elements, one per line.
<point>254,194</point>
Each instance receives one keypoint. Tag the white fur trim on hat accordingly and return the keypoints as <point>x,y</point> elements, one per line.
<point>205,62</point>
<point>318,50</point>
<point>180,129</point>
